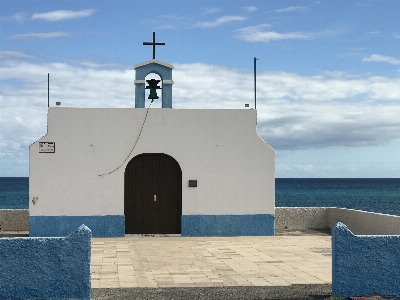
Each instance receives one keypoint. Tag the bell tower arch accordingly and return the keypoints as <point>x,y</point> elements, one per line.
<point>164,70</point>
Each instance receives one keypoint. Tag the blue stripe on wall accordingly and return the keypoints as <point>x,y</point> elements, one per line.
<point>101,226</point>
<point>228,225</point>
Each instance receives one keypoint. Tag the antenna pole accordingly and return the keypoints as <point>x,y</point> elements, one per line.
<point>48,89</point>
<point>255,89</point>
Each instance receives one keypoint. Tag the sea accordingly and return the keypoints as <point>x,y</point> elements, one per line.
<point>380,195</point>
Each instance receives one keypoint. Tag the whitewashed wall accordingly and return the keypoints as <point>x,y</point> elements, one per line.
<point>219,148</point>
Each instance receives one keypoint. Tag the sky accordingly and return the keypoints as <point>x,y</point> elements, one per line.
<point>328,74</point>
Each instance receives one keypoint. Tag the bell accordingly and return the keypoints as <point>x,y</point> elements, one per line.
<point>153,94</point>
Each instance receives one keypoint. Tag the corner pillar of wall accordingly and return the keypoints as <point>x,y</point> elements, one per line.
<point>139,94</point>
<point>167,94</point>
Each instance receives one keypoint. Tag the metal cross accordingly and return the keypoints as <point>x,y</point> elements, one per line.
<point>153,44</point>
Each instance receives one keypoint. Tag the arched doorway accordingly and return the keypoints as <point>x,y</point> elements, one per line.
<point>153,195</point>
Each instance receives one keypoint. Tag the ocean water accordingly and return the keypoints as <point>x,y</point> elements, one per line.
<point>14,192</point>
<point>370,194</point>
<point>380,195</point>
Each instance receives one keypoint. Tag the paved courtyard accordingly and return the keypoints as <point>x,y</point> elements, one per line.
<point>174,261</point>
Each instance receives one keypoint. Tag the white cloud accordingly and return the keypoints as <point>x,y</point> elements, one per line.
<point>96,65</point>
<point>17,17</point>
<point>294,111</point>
<point>382,58</point>
<point>165,26</point>
<point>60,15</point>
<point>219,21</point>
<point>375,33</point>
<point>292,9</point>
<point>39,35</point>
<point>15,54</point>
<point>211,10</point>
<point>166,22</point>
<point>250,8</point>
<point>298,112</point>
<point>259,34</point>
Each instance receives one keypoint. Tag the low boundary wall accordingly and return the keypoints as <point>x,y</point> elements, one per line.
<point>359,222</point>
<point>301,217</point>
<point>365,223</point>
<point>43,268</point>
<point>14,219</point>
<point>362,265</point>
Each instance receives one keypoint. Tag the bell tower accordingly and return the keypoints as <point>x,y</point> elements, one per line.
<point>163,69</point>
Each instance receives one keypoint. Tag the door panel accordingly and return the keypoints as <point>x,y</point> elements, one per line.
<point>147,175</point>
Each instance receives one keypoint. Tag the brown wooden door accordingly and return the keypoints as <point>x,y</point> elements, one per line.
<point>153,195</point>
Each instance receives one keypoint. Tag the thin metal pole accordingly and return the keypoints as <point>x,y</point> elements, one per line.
<point>48,89</point>
<point>255,86</point>
<point>154,45</point>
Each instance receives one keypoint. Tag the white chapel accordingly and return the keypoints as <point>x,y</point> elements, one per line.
<point>141,170</point>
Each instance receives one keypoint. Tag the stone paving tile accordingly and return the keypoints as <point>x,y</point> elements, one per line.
<point>210,261</point>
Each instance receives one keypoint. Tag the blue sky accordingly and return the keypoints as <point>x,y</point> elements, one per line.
<point>328,74</point>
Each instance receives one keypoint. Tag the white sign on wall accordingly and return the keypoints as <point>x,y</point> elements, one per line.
<point>47,147</point>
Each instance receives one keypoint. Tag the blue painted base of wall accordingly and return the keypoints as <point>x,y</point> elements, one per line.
<point>228,225</point>
<point>101,226</point>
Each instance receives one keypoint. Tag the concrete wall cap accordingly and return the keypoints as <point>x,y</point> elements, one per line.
<point>151,61</point>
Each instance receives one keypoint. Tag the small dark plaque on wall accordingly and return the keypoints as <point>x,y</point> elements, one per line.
<point>192,183</point>
<point>47,147</point>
